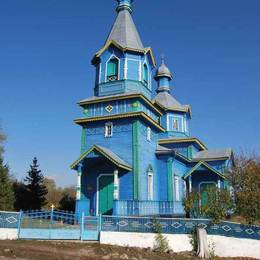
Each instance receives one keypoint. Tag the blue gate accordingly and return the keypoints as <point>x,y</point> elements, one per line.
<point>58,225</point>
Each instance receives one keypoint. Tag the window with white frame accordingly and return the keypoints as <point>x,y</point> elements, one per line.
<point>109,129</point>
<point>177,188</point>
<point>112,69</point>
<point>150,185</point>
<point>145,74</point>
<point>148,133</point>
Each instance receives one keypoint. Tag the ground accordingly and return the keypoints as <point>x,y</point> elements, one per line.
<point>56,250</point>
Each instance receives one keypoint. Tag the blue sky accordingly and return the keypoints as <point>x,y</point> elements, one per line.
<point>212,47</point>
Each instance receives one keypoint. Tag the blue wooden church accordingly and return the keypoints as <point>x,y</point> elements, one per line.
<point>137,154</point>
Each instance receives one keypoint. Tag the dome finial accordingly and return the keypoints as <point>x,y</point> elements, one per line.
<point>124,5</point>
<point>162,59</point>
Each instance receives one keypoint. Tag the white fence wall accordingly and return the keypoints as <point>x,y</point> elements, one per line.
<point>8,233</point>
<point>222,246</point>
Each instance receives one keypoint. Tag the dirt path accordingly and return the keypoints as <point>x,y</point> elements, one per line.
<point>46,250</point>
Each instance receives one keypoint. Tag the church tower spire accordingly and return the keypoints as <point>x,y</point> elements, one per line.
<point>124,31</point>
<point>123,64</point>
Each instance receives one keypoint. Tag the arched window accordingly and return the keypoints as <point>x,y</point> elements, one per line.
<point>112,69</point>
<point>145,74</point>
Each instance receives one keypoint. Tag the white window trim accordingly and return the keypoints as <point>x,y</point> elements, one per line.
<point>176,186</point>
<point>149,134</point>
<point>140,70</point>
<point>125,68</point>
<point>108,124</point>
<point>118,74</point>
<point>150,188</point>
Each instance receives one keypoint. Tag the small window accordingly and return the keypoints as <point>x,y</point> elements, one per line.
<point>112,70</point>
<point>109,129</point>
<point>177,188</point>
<point>149,134</point>
<point>145,74</point>
<point>150,185</point>
<point>175,124</point>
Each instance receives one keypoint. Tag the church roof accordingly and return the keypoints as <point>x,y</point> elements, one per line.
<point>124,34</point>
<point>111,156</point>
<point>168,102</point>
<point>174,140</point>
<point>203,165</point>
<point>163,150</point>
<point>213,154</point>
<point>124,31</point>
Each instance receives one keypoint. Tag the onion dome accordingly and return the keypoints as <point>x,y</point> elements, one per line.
<point>163,71</point>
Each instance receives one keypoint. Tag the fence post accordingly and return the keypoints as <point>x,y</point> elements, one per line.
<point>19,223</point>
<point>51,221</point>
<point>99,222</point>
<point>82,225</point>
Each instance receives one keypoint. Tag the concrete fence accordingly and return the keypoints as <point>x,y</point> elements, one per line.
<point>226,239</point>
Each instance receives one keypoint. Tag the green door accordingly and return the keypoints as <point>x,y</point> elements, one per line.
<point>106,195</point>
<point>203,192</point>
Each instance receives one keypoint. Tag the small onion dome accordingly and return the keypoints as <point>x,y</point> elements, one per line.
<point>163,71</point>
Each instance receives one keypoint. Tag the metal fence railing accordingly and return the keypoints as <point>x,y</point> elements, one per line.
<point>148,208</point>
<point>178,226</point>
<point>68,225</point>
<point>51,225</point>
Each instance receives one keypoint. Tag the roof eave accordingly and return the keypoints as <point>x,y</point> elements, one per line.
<point>187,109</point>
<point>180,140</point>
<point>94,147</point>
<point>123,49</point>
<point>109,98</point>
<point>82,121</point>
<point>211,159</point>
<point>205,165</point>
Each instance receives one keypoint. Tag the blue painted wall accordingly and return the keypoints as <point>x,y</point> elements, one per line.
<point>147,158</point>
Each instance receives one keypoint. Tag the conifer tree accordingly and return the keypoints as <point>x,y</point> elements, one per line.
<point>6,187</point>
<point>36,190</point>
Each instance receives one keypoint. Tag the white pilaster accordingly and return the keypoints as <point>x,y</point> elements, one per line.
<point>219,184</point>
<point>78,193</point>
<point>125,68</point>
<point>116,185</point>
<point>190,184</point>
<point>140,70</point>
<point>184,188</point>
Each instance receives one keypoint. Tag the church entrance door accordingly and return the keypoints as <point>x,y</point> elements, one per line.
<point>203,191</point>
<point>106,194</point>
